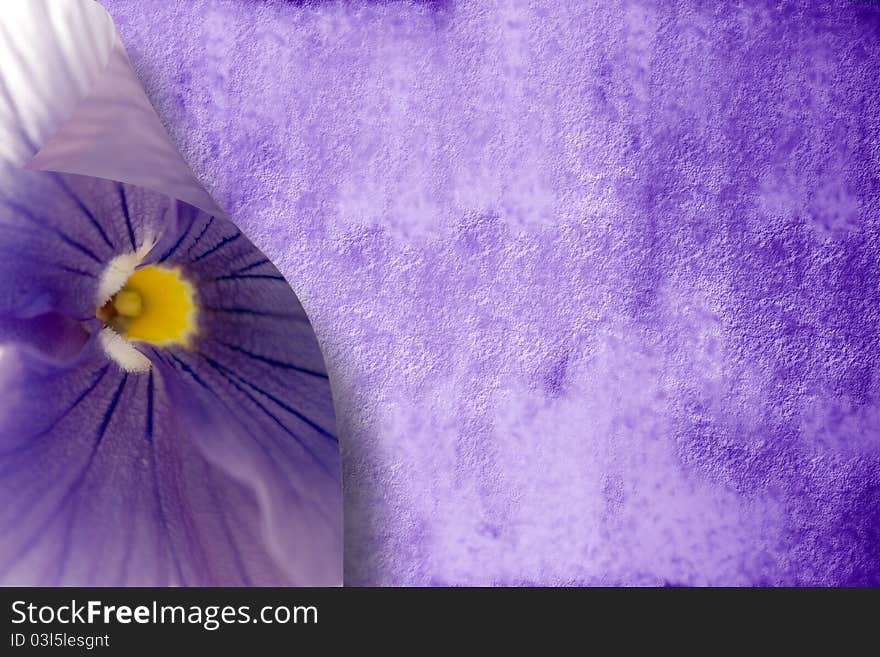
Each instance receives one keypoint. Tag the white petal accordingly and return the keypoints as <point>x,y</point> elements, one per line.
<point>118,271</point>
<point>52,52</point>
<point>69,90</point>
<point>123,352</point>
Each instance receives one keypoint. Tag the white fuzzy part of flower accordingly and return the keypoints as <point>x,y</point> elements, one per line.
<point>118,271</point>
<point>123,352</point>
<point>115,275</point>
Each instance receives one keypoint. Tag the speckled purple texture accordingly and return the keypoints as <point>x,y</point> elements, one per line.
<point>597,283</point>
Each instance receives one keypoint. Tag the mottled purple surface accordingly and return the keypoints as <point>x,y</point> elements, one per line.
<point>597,284</point>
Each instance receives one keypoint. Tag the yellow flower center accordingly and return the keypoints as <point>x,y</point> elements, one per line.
<point>155,305</point>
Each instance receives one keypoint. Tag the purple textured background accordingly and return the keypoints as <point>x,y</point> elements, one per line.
<point>597,284</point>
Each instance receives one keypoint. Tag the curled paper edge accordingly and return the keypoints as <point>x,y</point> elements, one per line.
<point>97,103</point>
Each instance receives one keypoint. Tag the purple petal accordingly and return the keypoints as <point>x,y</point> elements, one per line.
<point>55,336</point>
<point>102,487</point>
<point>290,467</point>
<point>58,233</point>
<point>220,466</point>
<point>217,469</point>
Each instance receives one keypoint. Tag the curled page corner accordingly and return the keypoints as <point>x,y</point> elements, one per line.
<point>52,55</point>
<point>81,100</point>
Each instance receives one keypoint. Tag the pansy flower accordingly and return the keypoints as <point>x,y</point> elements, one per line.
<point>165,412</point>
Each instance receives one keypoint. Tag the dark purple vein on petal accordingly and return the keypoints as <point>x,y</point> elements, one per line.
<point>189,370</point>
<point>58,232</point>
<point>73,270</point>
<point>253,265</point>
<point>276,420</point>
<point>178,362</point>
<point>177,244</point>
<point>124,202</point>
<point>102,429</point>
<point>237,310</point>
<point>190,530</point>
<point>271,361</point>
<point>72,489</point>
<point>240,277</point>
<point>220,368</point>
<point>221,244</point>
<point>34,440</point>
<point>200,235</point>
<point>130,522</point>
<point>88,213</point>
<point>165,536</point>
<point>46,262</point>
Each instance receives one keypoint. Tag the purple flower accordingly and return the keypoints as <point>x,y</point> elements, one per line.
<point>166,415</point>
<point>598,283</point>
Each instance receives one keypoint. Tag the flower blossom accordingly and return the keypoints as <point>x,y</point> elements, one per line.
<point>166,413</point>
